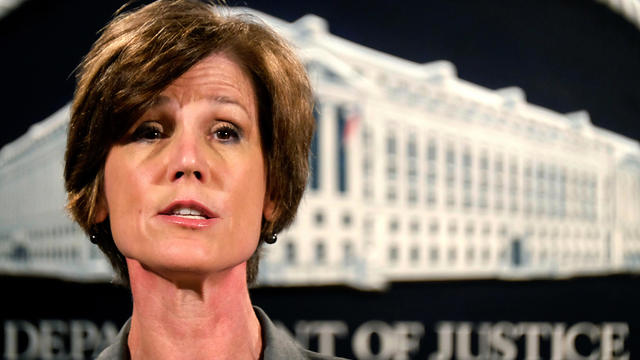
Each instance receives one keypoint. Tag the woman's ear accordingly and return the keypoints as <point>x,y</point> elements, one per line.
<point>269,208</point>
<point>101,211</point>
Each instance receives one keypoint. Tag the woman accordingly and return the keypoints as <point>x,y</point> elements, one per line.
<point>187,150</point>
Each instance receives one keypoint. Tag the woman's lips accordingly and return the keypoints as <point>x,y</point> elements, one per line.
<point>188,213</point>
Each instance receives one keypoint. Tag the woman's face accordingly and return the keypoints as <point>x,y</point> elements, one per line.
<point>186,190</point>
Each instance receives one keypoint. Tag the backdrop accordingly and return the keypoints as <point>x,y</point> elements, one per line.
<point>566,55</point>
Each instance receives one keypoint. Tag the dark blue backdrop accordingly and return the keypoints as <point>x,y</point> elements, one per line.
<point>566,54</point>
<point>582,314</point>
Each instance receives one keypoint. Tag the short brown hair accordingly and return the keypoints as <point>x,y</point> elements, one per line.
<point>141,52</point>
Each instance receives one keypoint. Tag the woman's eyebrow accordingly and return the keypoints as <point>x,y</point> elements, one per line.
<point>224,100</point>
<point>160,100</point>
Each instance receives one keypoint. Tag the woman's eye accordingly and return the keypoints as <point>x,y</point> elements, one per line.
<point>148,131</point>
<point>226,134</point>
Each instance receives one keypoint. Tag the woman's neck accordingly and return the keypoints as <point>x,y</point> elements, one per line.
<point>191,317</point>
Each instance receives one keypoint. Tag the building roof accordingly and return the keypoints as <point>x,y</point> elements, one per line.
<point>630,9</point>
<point>6,6</point>
<point>36,132</point>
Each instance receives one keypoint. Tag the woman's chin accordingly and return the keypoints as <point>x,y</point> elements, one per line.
<point>183,266</point>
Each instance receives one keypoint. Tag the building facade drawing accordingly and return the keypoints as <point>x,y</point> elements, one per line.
<point>416,174</point>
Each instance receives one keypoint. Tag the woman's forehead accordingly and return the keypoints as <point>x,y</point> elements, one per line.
<point>217,75</point>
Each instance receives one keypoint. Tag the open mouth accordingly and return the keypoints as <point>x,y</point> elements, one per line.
<point>188,210</point>
<point>189,213</point>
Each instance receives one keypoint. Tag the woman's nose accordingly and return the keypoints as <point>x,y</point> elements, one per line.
<point>197,174</point>
<point>187,159</point>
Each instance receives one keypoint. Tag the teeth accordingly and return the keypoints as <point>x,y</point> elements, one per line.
<point>188,212</point>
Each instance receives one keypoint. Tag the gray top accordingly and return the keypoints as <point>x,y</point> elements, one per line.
<point>276,344</point>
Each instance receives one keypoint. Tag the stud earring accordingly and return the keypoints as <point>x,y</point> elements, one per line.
<point>93,238</point>
<point>272,239</point>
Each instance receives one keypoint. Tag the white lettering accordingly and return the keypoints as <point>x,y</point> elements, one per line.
<point>373,340</point>
<point>396,341</point>
<point>502,339</point>
<point>584,328</point>
<point>361,342</point>
<point>11,337</point>
<point>85,336</point>
<point>557,342</point>
<point>612,343</point>
<point>48,340</point>
<point>533,332</point>
<point>445,341</point>
<point>408,335</point>
<point>326,331</point>
<point>464,334</point>
<point>51,341</point>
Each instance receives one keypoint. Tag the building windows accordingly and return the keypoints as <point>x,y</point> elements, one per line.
<point>451,199</point>
<point>367,190</point>
<point>451,176</point>
<point>320,252</point>
<point>451,255</point>
<point>391,143</point>
<point>393,254</point>
<point>466,178</point>
<point>483,184</point>
<point>498,174</point>
<point>503,231</point>
<point>579,198</point>
<point>434,254</point>
<point>392,169</point>
<point>314,155</point>
<point>513,186</point>
<point>470,255</point>
<point>552,192</point>
<point>434,227</point>
<point>451,166</point>
<point>391,193</point>
<point>412,166</point>
<point>367,164</point>
<point>432,151</point>
<point>470,229</point>
<point>367,140</point>
<point>367,161</point>
<point>394,226</point>
<point>368,226</point>
<point>290,253</point>
<point>484,161</point>
<point>318,218</point>
<point>540,189</point>
<point>432,171</point>
<point>486,255</point>
<point>414,254</point>
<point>431,197</point>
<point>346,220</point>
<point>341,151</point>
<point>453,228</point>
<point>528,189</point>
<point>412,196</point>
<point>466,159</point>
<point>592,197</point>
<point>543,256</point>
<point>504,254</point>
<point>415,226</point>
<point>348,255</point>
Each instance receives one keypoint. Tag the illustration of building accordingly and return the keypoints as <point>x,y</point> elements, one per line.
<point>416,175</point>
